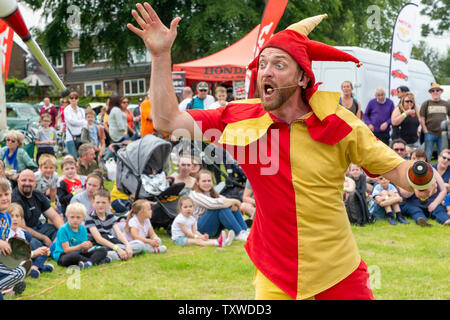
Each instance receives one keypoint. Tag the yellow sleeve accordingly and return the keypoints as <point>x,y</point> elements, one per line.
<point>370,153</point>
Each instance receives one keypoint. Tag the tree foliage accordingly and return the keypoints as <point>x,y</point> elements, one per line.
<point>208,26</point>
<point>437,11</point>
<point>16,89</point>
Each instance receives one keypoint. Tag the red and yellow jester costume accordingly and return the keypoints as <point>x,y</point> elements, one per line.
<point>301,239</point>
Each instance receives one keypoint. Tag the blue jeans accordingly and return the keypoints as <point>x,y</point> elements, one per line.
<point>70,145</point>
<point>430,140</point>
<point>379,212</point>
<point>213,221</point>
<point>415,212</point>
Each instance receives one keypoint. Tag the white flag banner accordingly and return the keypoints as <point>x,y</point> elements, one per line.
<point>402,41</point>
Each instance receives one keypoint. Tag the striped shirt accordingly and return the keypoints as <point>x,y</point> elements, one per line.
<point>204,202</point>
<point>104,227</point>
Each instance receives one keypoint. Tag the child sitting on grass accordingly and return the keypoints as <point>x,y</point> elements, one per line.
<point>47,177</point>
<point>38,255</point>
<point>184,228</point>
<point>387,199</point>
<point>72,246</point>
<point>139,227</point>
<point>70,185</point>
<point>10,279</point>
<point>104,230</point>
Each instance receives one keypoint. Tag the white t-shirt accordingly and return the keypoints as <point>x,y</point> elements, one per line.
<point>75,121</point>
<point>183,104</point>
<point>18,233</point>
<point>214,105</point>
<point>187,222</point>
<point>206,102</point>
<point>142,229</point>
<point>42,183</point>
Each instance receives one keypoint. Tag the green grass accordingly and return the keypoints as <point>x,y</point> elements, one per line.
<point>413,263</point>
<point>405,262</point>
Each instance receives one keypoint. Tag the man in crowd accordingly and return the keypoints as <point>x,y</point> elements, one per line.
<point>202,100</point>
<point>378,115</point>
<point>399,146</point>
<point>86,162</point>
<point>401,91</point>
<point>432,113</point>
<point>34,205</point>
<point>301,242</point>
<point>187,97</point>
<point>51,109</point>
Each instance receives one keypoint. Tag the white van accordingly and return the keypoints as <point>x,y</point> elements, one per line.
<point>446,94</point>
<point>373,74</point>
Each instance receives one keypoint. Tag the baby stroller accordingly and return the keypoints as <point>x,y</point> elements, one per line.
<point>140,172</point>
<point>212,157</point>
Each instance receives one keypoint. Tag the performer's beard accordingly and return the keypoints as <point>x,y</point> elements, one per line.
<point>277,98</point>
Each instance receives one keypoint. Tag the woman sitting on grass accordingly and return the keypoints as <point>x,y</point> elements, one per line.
<point>184,228</point>
<point>215,212</point>
<point>139,227</point>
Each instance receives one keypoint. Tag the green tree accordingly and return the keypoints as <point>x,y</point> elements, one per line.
<point>437,11</point>
<point>16,89</point>
<point>37,90</point>
<point>206,26</point>
<point>438,64</point>
<point>365,23</point>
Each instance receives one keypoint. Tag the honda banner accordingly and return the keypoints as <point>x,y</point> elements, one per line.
<point>402,41</point>
<point>272,14</point>
<point>6,43</point>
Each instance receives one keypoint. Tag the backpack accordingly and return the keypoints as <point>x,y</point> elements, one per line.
<point>357,209</point>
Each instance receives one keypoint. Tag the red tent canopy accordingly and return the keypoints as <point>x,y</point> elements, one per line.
<point>226,65</point>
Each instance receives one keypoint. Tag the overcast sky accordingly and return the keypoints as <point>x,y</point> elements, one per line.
<point>441,43</point>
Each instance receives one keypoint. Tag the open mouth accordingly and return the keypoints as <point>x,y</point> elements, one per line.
<point>268,90</point>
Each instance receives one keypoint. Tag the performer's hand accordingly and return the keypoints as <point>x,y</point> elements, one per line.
<point>157,37</point>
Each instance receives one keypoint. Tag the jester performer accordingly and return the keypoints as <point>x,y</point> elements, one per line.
<point>294,144</point>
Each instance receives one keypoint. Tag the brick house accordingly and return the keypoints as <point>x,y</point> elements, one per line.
<point>86,79</point>
<point>17,64</point>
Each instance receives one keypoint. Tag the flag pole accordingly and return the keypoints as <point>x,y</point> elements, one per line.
<point>2,96</point>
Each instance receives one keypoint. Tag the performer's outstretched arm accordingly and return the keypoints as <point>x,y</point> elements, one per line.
<point>159,40</point>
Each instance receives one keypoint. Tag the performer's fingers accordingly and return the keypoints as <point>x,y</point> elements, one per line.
<point>144,13</point>
<point>174,24</point>
<point>138,19</point>
<point>152,14</point>
<point>134,29</point>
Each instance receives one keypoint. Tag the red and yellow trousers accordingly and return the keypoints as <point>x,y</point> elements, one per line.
<point>354,287</point>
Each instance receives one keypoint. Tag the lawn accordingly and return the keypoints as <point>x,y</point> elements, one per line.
<point>405,262</point>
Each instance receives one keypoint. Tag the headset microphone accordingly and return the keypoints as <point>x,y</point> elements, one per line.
<point>270,90</point>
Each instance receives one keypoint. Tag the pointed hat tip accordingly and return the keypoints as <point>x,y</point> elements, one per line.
<point>305,26</point>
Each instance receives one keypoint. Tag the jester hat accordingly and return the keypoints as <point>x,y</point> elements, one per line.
<point>294,41</point>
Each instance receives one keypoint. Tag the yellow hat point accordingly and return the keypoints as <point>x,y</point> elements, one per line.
<point>305,26</point>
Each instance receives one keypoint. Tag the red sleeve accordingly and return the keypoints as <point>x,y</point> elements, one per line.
<point>210,122</point>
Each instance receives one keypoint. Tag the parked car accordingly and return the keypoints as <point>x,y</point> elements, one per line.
<point>96,106</point>
<point>20,115</point>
